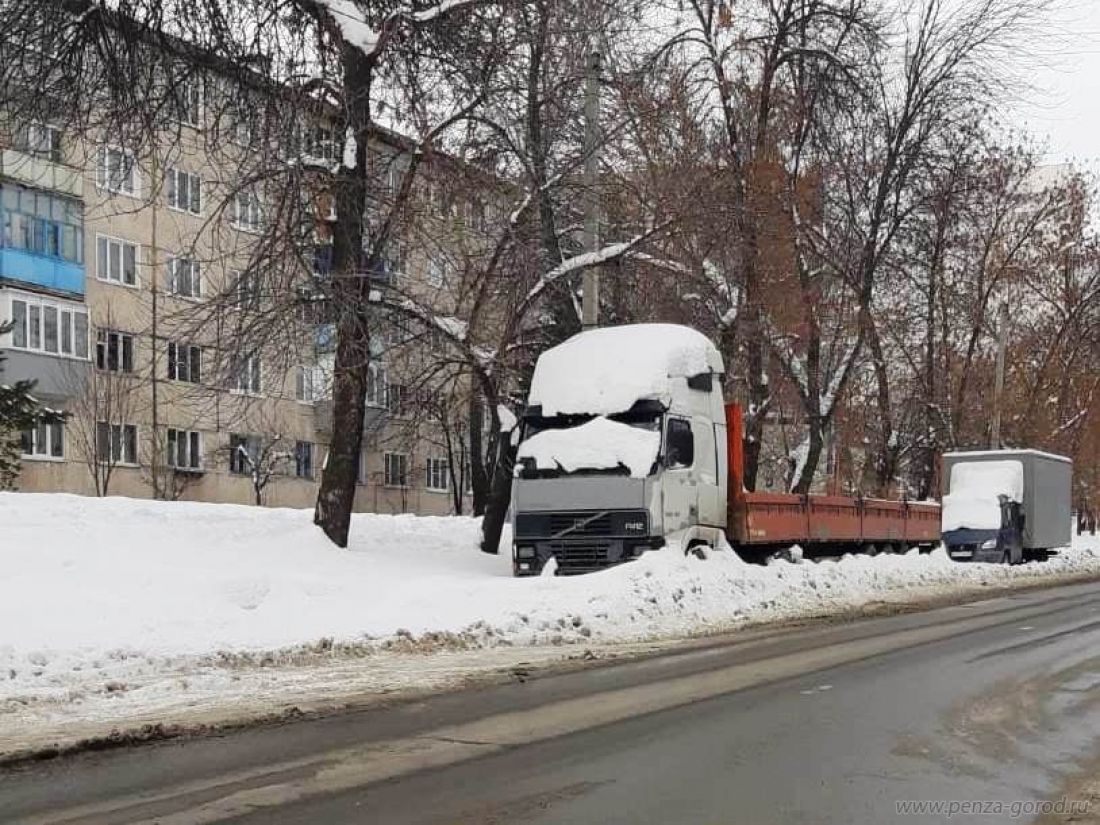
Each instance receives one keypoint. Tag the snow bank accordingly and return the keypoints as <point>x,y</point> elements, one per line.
<point>106,604</point>
<point>975,489</point>
<point>598,444</point>
<point>604,371</point>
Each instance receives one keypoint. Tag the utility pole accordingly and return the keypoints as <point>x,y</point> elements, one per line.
<point>999,385</point>
<point>590,308</point>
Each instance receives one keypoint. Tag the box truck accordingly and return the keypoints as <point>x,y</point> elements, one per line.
<point>1006,505</point>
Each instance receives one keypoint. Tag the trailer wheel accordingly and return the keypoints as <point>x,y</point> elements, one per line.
<point>870,550</point>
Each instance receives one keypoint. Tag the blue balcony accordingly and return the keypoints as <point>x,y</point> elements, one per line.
<point>41,270</point>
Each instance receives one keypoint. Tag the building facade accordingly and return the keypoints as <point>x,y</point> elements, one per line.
<point>121,273</point>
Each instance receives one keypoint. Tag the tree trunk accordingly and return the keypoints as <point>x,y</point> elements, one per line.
<point>805,480</point>
<point>886,462</point>
<point>479,477</point>
<point>501,496</point>
<point>336,496</point>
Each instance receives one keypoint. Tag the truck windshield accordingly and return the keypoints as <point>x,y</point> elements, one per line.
<point>644,415</point>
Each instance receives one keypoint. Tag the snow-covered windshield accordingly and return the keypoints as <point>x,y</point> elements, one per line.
<point>976,489</point>
<point>622,444</point>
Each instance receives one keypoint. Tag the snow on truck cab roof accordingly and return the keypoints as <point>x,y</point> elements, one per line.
<point>607,370</point>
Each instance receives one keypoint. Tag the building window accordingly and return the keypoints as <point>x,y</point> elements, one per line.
<point>246,289</point>
<point>48,326</point>
<point>396,398</point>
<point>309,384</point>
<point>42,223</point>
<point>437,271</point>
<point>184,277</point>
<point>247,212</point>
<point>184,191</point>
<point>184,449</point>
<point>116,443</point>
<point>187,100</point>
<point>184,363</point>
<point>44,441</point>
<point>397,470</point>
<point>117,171</point>
<point>40,140</point>
<point>116,260</point>
<point>303,459</point>
<point>322,143</point>
<point>322,259</point>
<point>244,451</point>
<point>247,375</point>
<point>438,476</point>
<point>376,386</point>
<point>114,351</point>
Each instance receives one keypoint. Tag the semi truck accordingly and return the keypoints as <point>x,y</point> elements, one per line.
<point>628,446</point>
<point>1006,506</point>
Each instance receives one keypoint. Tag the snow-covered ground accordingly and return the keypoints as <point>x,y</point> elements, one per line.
<point>120,612</point>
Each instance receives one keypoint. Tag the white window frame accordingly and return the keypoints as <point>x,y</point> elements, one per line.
<point>51,430</point>
<point>120,244</point>
<point>174,264</point>
<point>298,461</point>
<point>437,270</point>
<point>43,140</point>
<point>250,369</point>
<point>129,185</point>
<point>246,289</point>
<point>377,374</point>
<point>389,477</point>
<point>309,383</point>
<point>118,430</point>
<point>437,467</point>
<point>61,309</point>
<point>192,450</point>
<point>172,190</point>
<point>106,343</point>
<point>172,357</point>
<point>397,399</point>
<point>193,101</point>
<point>248,212</point>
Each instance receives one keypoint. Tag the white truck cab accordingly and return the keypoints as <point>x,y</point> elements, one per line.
<point>623,446</point>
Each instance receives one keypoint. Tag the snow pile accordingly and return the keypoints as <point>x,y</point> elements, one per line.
<point>604,371</point>
<point>599,444</point>
<point>116,603</point>
<point>975,489</point>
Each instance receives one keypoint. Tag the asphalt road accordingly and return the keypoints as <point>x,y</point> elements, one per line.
<point>995,703</point>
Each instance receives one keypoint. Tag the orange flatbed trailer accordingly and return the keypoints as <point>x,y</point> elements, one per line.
<point>767,519</point>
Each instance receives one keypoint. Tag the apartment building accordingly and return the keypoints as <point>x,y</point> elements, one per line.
<point>121,273</point>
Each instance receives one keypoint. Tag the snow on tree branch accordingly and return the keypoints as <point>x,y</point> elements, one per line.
<point>349,18</point>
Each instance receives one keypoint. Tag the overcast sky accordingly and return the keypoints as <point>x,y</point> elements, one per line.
<point>1064,106</point>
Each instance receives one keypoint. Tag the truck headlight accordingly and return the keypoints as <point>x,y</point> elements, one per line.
<point>989,544</point>
<point>525,552</point>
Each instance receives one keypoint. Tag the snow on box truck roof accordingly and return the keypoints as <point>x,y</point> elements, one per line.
<point>605,371</point>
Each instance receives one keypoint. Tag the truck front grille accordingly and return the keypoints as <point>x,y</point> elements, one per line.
<point>577,524</point>
<point>581,557</point>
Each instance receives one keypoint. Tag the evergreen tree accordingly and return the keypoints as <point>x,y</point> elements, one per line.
<point>19,410</point>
